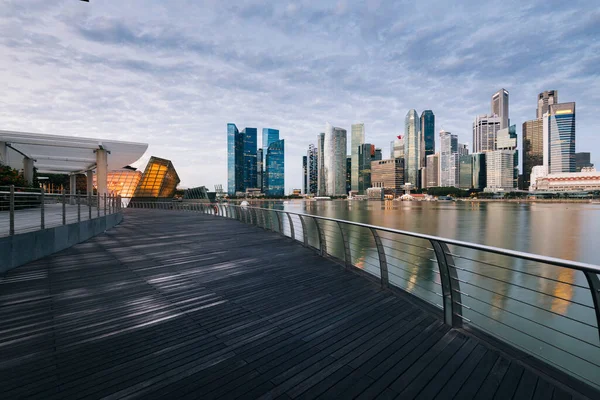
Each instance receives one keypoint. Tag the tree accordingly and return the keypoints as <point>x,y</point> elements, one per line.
<point>10,176</point>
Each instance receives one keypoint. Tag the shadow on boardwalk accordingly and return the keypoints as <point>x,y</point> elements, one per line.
<point>184,305</point>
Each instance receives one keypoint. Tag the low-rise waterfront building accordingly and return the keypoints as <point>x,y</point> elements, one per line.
<point>388,174</point>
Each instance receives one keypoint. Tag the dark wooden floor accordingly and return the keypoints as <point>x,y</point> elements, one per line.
<point>182,305</point>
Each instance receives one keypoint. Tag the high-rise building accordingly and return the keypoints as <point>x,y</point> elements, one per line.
<point>358,138</point>
<point>304,174</point>
<point>348,174</point>
<point>235,160</point>
<point>388,174</point>
<point>428,135</point>
<point>275,169</point>
<point>500,107</point>
<point>377,155</point>
<point>269,136</point>
<point>532,147</point>
<point>412,148</point>
<point>313,169</point>
<point>448,161</point>
<point>260,169</point>
<point>250,167</point>
<point>582,160</point>
<point>334,155</point>
<point>479,171</point>
<point>433,170</point>
<point>321,164</point>
<point>559,138</point>
<point>397,147</point>
<point>465,174</point>
<point>502,173</point>
<point>366,154</point>
<point>485,128</point>
<point>545,100</point>
<point>463,149</point>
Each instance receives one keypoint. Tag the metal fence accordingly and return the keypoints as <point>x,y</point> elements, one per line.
<point>547,307</point>
<point>25,209</point>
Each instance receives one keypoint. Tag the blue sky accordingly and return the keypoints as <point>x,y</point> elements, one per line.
<point>174,73</point>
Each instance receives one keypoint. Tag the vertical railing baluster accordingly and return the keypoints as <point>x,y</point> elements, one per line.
<point>347,253</point>
<point>321,234</point>
<point>292,234</point>
<point>42,209</point>
<point>304,231</point>
<point>78,199</point>
<point>64,207</point>
<point>11,210</point>
<point>279,226</point>
<point>383,267</point>
<point>594,284</point>
<point>450,286</point>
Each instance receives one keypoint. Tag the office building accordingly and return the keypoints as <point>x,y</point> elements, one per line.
<point>465,171</point>
<point>412,148</point>
<point>321,164</point>
<point>348,174</point>
<point>334,160</point>
<point>305,174</point>
<point>357,139</point>
<point>545,100</point>
<point>479,171</point>
<point>378,155</point>
<point>366,154</point>
<point>269,136</point>
<point>158,181</point>
<point>397,147</point>
<point>388,174</point>
<point>250,150</point>
<point>463,149</point>
<point>260,169</point>
<point>559,138</point>
<point>428,135</point>
<point>433,170</point>
<point>485,128</point>
<point>448,160</point>
<point>582,160</point>
<point>500,107</point>
<point>313,169</point>
<point>275,169</point>
<point>235,160</point>
<point>500,170</point>
<point>533,147</point>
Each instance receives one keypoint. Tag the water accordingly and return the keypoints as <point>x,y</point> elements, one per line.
<point>545,310</point>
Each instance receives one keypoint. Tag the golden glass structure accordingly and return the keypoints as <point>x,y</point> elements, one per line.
<point>122,182</point>
<point>159,179</point>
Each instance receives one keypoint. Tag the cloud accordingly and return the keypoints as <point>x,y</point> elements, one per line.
<point>174,74</point>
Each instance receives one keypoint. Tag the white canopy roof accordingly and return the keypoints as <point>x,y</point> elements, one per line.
<point>67,154</point>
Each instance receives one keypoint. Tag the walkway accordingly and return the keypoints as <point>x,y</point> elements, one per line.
<point>185,305</point>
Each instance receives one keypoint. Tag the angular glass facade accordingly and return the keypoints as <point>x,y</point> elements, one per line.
<point>275,169</point>
<point>366,154</point>
<point>313,169</point>
<point>269,136</point>
<point>334,161</point>
<point>465,174</point>
<point>561,126</point>
<point>121,182</point>
<point>159,179</point>
<point>428,135</point>
<point>250,147</point>
<point>412,148</point>
<point>533,148</point>
<point>479,171</point>
<point>358,138</point>
<point>235,157</point>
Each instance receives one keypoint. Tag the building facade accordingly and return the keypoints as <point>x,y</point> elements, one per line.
<point>412,148</point>
<point>448,161</point>
<point>235,160</point>
<point>433,170</point>
<point>304,174</point>
<point>586,180</point>
<point>159,179</point>
<point>397,147</point>
<point>313,169</point>
<point>500,107</point>
<point>388,174</point>
<point>532,147</point>
<point>321,164</point>
<point>366,154</point>
<point>500,170</point>
<point>485,128</point>
<point>357,139</point>
<point>250,150</point>
<point>275,169</point>
<point>582,160</point>
<point>334,160</point>
<point>428,135</point>
<point>348,174</point>
<point>559,138</point>
<point>479,171</point>
<point>545,100</point>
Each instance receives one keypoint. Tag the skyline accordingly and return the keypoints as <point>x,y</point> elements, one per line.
<point>125,71</point>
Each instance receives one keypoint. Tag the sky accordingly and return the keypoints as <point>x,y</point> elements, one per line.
<point>173,74</point>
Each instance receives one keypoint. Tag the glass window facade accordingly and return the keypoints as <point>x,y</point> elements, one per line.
<point>465,180</point>
<point>122,182</point>
<point>275,169</point>
<point>366,154</point>
<point>448,168</point>
<point>159,179</point>
<point>249,168</point>
<point>412,148</point>
<point>388,174</point>
<point>334,161</point>
<point>533,148</point>
<point>479,171</point>
<point>428,135</point>
<point>357,139</point>
<point>313,169</point>
<point>234,160</point>
<point>561,124</point>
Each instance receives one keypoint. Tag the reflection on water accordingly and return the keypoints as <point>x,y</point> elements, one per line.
<point>546,310</point>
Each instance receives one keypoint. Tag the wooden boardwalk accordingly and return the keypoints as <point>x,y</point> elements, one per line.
<point>182,305</point>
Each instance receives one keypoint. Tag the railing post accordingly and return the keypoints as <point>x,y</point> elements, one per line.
<point>11,208</point>
<point>42,209</point>
<point>292,234</point>
<point>347,253</point>
<point>64,207</point>
<point>383,268</point>
<point>304,231</point>
<point>279,224</point>
<point>78,199</point>
<point>450,286</point>
<point>321,233</point>
<point>263,219</point>
<point>594,284</point>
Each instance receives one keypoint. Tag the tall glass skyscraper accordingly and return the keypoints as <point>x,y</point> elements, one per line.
<point>268,136</point>
<point>358,138</point>
<point>500,107</point>
<point>428,134</point>
<point>366,154</point>
<point>448,163</point>
<point>235,160</point>
<point>412,148</point>
<point>275,169</point>
<point>313,169</point>
<point>479,171</point>
<point>559,138</point>
<point>304,175</point>
<point>334,160</point>
<point>250,147</point>
<point>485,128</point>
<point>397,147</point>
<point>321,164</point>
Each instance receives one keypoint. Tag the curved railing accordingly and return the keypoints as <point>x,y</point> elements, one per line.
<point>548,307</point>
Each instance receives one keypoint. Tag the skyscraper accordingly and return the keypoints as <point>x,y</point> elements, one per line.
<point>582,160</point>
<point>321,164</point>
<point>559,138</point>
<point>358,138</point>
<point>502,164</point>
<point>260,169</point>
<point>334,160</point>
<point>433,170</point>
<point>397,147</point>
<point>479,171</point>
<point>348,174</point>
<point>366,154</point>
<point>465,174</point>
<point>545,100</point>
<point>269,136</point>
<point>304,174</point>
<point>412,148</point>
<point>500,107</point>
<point>428,135</point>
<point>533,148</point>
<point>485,128</point>
<point>313,169</point>
<point>448,161</point>
<point>249,146</point>
<point>235,160</point>
<point>388,174</point>
<point>275,169</point>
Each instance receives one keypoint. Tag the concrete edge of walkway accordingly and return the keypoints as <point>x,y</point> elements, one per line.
<point>22,248</point>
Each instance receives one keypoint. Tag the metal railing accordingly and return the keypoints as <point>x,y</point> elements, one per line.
<point>26,209</point>
<point>548,307</point>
